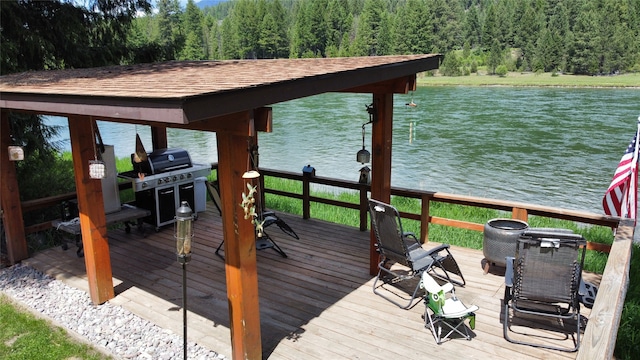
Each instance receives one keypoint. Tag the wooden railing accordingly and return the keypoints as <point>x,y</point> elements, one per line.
<point>599,339</point>
<point>601,332</point>
<point>518,210</point>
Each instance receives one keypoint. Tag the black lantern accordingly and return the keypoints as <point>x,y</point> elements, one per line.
<point>184,232</point>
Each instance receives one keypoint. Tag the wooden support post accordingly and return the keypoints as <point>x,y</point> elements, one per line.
<point>239,247</point>
<point>306,202</point>
<point>425,218</point>
<point>159,137</point>
<point>10,197</point>
<point>91,211</point>
<point>381,160</point>
<point>364,207</point>
<point>520,214</point>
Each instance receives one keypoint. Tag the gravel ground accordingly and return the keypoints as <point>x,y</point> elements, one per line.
<point>109,328</point>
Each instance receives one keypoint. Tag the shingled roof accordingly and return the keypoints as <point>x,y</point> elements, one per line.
<point>186,91</point>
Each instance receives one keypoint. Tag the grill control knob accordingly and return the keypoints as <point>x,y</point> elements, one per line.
<point>167,179</point>
<point>181,176</point>
<point>144,184</point>
<point>189,176</point>
<point>175,178</point>
<point>159,181</point>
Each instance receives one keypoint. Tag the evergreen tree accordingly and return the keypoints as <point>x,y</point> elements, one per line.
<point>445,31</point>
<point>451,65</point>
<point>214,41</point>
<point>413,28</point>
<point>338,24</point>
<point>496,57</point>
<point>310,30</point>
<point>246,25</point>
<point>269,37</point>
<point>279,14</point>
<point>367,41</point>
<point>491,28</point>
<point>472,29</point>
<point>229,41</point>
<point>526,34</point>
<point>192,21</point>
<point>616,37</point>
<point>584,59</point>
<point>170,35</point>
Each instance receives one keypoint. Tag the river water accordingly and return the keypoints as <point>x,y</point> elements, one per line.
<point>548,146</point>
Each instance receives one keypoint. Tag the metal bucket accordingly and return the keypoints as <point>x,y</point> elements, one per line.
<point>500,239</point>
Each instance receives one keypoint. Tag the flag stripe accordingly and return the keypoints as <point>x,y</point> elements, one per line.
<point>620,199</point>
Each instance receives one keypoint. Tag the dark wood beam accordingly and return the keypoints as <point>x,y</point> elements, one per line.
<point>381,160</point>
<point>159,137</point>
<point>91,211</point>
<point>234,123</point>
<point>239,245</point>
<point>400,85</point>
<point>10,195</point>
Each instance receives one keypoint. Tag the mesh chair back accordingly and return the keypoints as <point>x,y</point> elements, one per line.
<point>387,228</point>
<point>548,267</point>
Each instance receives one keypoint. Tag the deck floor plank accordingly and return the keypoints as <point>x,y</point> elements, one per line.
<point>315,304</point>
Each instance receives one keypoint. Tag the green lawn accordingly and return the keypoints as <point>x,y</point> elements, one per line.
<point>24,336</point>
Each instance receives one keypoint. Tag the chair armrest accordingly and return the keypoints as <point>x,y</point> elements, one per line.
<point>407,234</point>
<point>508,273</point>
<point>447,287</point>
<point>438,248</point>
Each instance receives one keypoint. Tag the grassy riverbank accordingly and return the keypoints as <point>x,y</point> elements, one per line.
<point>631,80</point>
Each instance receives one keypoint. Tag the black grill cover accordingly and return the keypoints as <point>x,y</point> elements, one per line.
<point>163,160</point>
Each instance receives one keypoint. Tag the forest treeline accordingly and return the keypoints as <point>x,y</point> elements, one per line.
<point>575,36</point>
<point>572,36</point>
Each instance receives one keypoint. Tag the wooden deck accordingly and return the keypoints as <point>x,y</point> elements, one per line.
<point>315,304</point>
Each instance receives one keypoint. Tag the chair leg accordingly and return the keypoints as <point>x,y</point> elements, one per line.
<point>506,328</point>
<point>218,250</point>
<point>437,324</point>
<point>414,296</point>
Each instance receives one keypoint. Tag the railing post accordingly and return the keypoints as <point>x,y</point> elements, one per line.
<point>424,218</point>
<point>306,176</point>
<point>364,199</point>
<point>520,214</point>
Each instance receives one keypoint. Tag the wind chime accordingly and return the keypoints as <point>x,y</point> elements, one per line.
<point>364,156</point>
<point>412,105</point>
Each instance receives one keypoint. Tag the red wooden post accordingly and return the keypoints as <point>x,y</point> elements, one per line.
<point>91,210</point>
<point>239,247</point>
<point>381,160</point>
<point>425,218</point>
<point>10,194</point>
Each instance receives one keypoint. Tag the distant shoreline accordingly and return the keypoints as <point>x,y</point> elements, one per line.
<point>625,81</point>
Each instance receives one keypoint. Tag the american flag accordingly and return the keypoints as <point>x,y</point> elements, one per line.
<point>621,196</point>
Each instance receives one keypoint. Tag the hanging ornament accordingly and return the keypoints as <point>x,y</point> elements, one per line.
<point>97,168</point>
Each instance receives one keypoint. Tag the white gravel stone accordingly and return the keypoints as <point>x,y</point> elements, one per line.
<point>109,327</point>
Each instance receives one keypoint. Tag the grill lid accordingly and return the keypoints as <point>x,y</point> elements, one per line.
<point>162,160</point>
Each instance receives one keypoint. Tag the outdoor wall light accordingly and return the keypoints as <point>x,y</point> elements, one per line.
<point>97,169</point>
<point>364,156</point>
<point>16,153</point>
<point>183,232</point>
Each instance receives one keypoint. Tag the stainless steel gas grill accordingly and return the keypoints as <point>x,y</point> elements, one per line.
<point>163,180</point>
